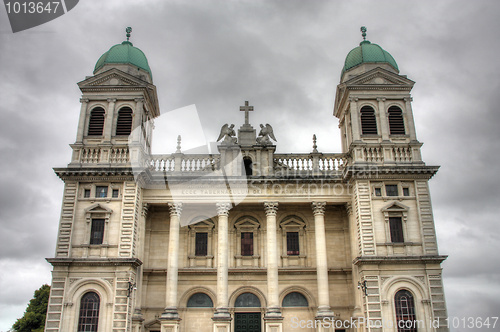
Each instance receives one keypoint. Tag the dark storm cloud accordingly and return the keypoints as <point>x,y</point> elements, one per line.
<point>285,57</point>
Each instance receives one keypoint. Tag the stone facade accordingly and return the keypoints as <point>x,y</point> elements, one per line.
<point>299,241</point>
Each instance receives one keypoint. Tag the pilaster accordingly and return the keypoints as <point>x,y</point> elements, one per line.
<point>109,121</point>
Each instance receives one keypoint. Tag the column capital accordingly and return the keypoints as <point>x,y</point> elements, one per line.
<point>84,100</point>
<point>348,207</point>
<point>175,209</point>
<point>145,209</point>
<point>223,208</point>
<point>271,208</point>
<point>355,99</point>
<point>318,208</point>
<point>137,100</point>
<point>381,99</point>
<point>111,100</point>
<point>408,99</point>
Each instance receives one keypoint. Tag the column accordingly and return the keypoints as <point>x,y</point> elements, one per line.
<point>409,119</point>
<point>170,313</point>
<point>222,317</point>
<point>108,122</point>
<point>321,260</point>
<point>384,128</point>
<point>273,317</point>
<point>139,110</point>
<point>355,122</point>
<point>83,119</point>
<point>137,318</point>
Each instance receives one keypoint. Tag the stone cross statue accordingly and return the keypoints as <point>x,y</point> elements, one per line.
<point>246,109</point>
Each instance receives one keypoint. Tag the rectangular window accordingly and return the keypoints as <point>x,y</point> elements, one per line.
<point>97,231</point>
<point>201,246</point>
<point>378,191</point>
<point>86,193</point>
<point>396,227</point>
<point>101,191</point>
<point>115,193</point>
<point>246,244</point>
<point>292,243</point>
<point>406,191</point>
<point>391,189</point>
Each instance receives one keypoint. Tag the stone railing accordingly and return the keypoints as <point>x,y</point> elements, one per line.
<point>98,155</point>
<point>188,163</point>
<point>311,162</point>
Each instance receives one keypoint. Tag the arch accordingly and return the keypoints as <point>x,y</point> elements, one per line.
<point>404,305</point>
<point>248,289</point>
<point>96,122</point>
<point>124,121</point>
<point>303,291</point>
<point>294,299</point>
<point>200,300</point>
<point>247,300</point>
<point>368,121</point>
<point>184,299</point>
<point>396,121</point>
<point>88,318</point>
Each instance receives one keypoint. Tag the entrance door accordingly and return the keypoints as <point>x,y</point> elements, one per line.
<point>247,322</point>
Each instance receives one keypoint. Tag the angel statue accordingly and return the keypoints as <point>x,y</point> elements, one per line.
<point>227,132</point>
<point>264,135</point>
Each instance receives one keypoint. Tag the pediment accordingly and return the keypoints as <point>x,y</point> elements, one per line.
<point>112,78</point>
<point>380,77</point>
<point>395,207</point>
<point>98,208</point>
<point>247,221</point>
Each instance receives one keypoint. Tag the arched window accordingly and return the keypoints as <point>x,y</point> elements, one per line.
<point>200,300</point>
<point>368,121</point>
<point>124,121</point>
<point>248,166</point>
<point>295,299</point>
<point>96,122</point>
<point>405,311</point>
<point>396,122</point>
<point>247,300</point>
<point>89,312</point>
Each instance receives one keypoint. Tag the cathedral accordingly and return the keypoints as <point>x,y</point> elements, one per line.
<point>244,239</point>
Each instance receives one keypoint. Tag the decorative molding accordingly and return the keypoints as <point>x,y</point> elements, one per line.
<point>175,209</point>
<point>318,208</point>
<point>223,208</point>
<point>271,208</point>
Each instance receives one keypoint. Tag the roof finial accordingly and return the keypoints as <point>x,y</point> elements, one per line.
<point>128,30</point>
<point>315,147</point>
<point>363,33</point>
<point>178,144</point>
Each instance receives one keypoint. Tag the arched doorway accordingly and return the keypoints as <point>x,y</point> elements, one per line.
<point>247,317</point>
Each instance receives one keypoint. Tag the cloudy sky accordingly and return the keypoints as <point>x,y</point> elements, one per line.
<point>285,57</point>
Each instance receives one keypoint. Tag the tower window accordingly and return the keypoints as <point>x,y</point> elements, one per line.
<point>396,228</point>
<point>201,244</point>
<point>391,189</point>
<point>124,122</point>
<point>248,166</point>
<point>405,311</point>
<point>96,122</point>
<point>396,122</point>
<point>101,191</point>
<point>368,121</point>
<point>292,243</point>
<point>246,244</point>
<point>97,231</point>
<point>89,313</point>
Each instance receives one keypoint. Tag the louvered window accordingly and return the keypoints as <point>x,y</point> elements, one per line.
<point>124,122</point>
<point>246,244</point>
<point>89,313</point>
<point>97,231</point>
<point>405,311</point>
<point>396,122</point>
<point>292,243</point>
<point>396,227</point>
<point>201,244</point>
<point>368,121</point>
<point>96,122</point>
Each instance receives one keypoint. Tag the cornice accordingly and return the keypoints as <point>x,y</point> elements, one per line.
<point>431,259</point>
<point>134,262</point>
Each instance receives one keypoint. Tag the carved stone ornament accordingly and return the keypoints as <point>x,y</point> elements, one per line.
<point>223,208</point>
<point>318,207</point>
<point>228,134</point>
<point>271,208</point>
<point>265,135</point>
<point>175,209</point>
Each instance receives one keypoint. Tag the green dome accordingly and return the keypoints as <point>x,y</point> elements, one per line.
<point>367,52</point>
<point>124,53</point>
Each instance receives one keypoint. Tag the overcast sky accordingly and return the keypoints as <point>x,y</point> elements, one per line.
<point>285,57</point>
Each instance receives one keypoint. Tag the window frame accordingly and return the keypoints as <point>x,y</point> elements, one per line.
<point>97,211</point>
<point>82,325</point>
<point>247,224</point>
<point>126,111</point>
<point>396,120</point>
<point>201,224</point>
<point>92,124</point>
<point>398,210</point>
<point>410,315</point>
<point>368,120</point>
